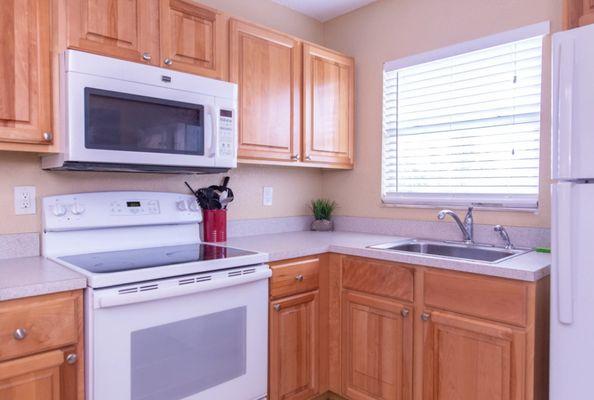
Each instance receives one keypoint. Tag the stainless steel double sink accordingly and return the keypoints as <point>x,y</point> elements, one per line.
<point>464,251</point>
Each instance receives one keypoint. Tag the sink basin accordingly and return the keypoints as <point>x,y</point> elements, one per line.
<point>453,250</point>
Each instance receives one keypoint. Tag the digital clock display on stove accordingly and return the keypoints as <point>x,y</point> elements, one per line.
<point>133,203</point>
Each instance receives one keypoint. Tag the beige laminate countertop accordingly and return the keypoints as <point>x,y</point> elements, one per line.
<point>35,276</point>
<point>526,267</point>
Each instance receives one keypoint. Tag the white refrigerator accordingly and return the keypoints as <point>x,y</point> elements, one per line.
<point>572,277</point>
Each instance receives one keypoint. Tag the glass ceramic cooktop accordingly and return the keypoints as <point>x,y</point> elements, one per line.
<point>125,260</point>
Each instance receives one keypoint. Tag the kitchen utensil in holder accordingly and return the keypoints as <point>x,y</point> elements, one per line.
<point>214,225</point>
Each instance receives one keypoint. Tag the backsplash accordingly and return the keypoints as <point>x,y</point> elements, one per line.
<point>520,236</point>
<point>28,244</point>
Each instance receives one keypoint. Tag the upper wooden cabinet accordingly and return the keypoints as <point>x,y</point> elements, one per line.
<point>467,358</point>
<point>193,38</point>
<point>25,91</point>
<point>275,126</point>
<point>328,107</point>
<point>176,34</point>
<point>267,66</point>
<point>578,13</point>
<point>126,29</point>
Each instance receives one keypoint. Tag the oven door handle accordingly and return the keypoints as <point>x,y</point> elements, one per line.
<point>114,299</point>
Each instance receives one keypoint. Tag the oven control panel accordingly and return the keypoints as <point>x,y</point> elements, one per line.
<point>226,134</point>
<point>134,207</point>
<point>115,209</point>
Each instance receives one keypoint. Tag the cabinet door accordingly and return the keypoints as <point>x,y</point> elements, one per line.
<point>468,359</point>
<point>294,347</point>
<point>33,378</point>
<point>25,108</point>
<point>193,38</point>
<point>588,16</point>
<point>377,348</point>
<point>267,67</point>
<point>126,29</point>
<point>328,107</point>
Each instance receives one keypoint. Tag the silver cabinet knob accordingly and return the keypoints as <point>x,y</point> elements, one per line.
<point>20,334</point>
<point>425,316</point>
<point>308,157</point>
<point>277,307</point>
<point>404,312</point>
<point>146,56</point>
<point>48,136</point>
<point>295,157</point>
<point>71,358</point>
<point>168,61</point>
<point>299,278</point>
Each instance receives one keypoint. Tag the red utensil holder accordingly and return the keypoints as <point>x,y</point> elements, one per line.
<point>214,225</point>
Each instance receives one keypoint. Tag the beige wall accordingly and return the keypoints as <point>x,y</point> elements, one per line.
<point>391,29</point>
<point>293,188</point>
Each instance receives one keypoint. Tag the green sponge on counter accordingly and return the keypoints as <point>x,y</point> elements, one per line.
<point>546,250</point>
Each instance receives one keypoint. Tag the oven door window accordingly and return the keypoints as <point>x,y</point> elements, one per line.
<point>125,122</point>
<point>183,358</point>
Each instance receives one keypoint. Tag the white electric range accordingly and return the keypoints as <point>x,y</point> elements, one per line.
<point>166,316</point>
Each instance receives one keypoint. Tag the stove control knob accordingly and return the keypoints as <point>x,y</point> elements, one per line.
<point>193,205</point>
<point>59,210</point>
<point>77,209</point>
<point>181,205</point>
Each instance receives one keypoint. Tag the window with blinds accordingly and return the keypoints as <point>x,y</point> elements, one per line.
<point>464,129</point>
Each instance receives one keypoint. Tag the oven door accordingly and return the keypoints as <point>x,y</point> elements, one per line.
<point>196,340</point>
<point>123,122</point>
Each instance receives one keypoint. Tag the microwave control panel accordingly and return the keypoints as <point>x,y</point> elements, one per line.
<point>226,136</point>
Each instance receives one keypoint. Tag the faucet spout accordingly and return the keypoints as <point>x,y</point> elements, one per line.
<point>466,227</point>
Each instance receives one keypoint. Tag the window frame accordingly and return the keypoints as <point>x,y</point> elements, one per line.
<point>487,201</point>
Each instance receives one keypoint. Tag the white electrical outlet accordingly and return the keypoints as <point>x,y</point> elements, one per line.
<point>24,200</point>
<point>267,194</point>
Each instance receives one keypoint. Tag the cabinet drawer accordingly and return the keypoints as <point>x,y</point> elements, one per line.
<point>490,298</point>
<point>380,278</point>
<point>294,276</point>
<point>46,322</point>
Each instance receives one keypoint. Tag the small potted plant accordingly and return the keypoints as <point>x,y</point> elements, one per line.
<point>322,210</point>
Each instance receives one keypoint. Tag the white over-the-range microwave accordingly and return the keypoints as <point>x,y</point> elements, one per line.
<point>123,116</point>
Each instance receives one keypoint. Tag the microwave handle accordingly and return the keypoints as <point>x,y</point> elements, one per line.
<point>213,126</point>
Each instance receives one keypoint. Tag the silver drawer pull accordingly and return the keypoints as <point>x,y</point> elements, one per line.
<point>404,312</point>
<point>277,307</point>
<point>20,334</point>
<point>71,358</point>
<point>299,278</point>
<point>425,316</point>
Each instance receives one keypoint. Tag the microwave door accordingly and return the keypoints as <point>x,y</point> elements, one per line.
<point>573,102</point>
<point>129,123</point>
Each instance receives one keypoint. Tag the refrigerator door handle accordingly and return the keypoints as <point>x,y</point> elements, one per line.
<point>563,126</point>
<point>562,261</point>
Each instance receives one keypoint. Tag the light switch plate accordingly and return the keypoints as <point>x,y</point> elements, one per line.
<point>24,200</point>
<point>267,195</point>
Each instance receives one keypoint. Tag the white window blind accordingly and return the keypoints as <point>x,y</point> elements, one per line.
<point>465,129</point>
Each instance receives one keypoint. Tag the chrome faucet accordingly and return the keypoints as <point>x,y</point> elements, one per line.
<point>504,235</point>
<point>467,227</point>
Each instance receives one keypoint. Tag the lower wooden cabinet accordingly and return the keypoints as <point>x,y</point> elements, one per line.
<point>365,329</point>
<point>377,348</point>
<point>466,359</point>
<point>294,347</point>
<point>33,378</point>
<point>42,355</point>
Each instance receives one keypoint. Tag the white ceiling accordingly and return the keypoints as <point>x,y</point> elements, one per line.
<point>323,10</point>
